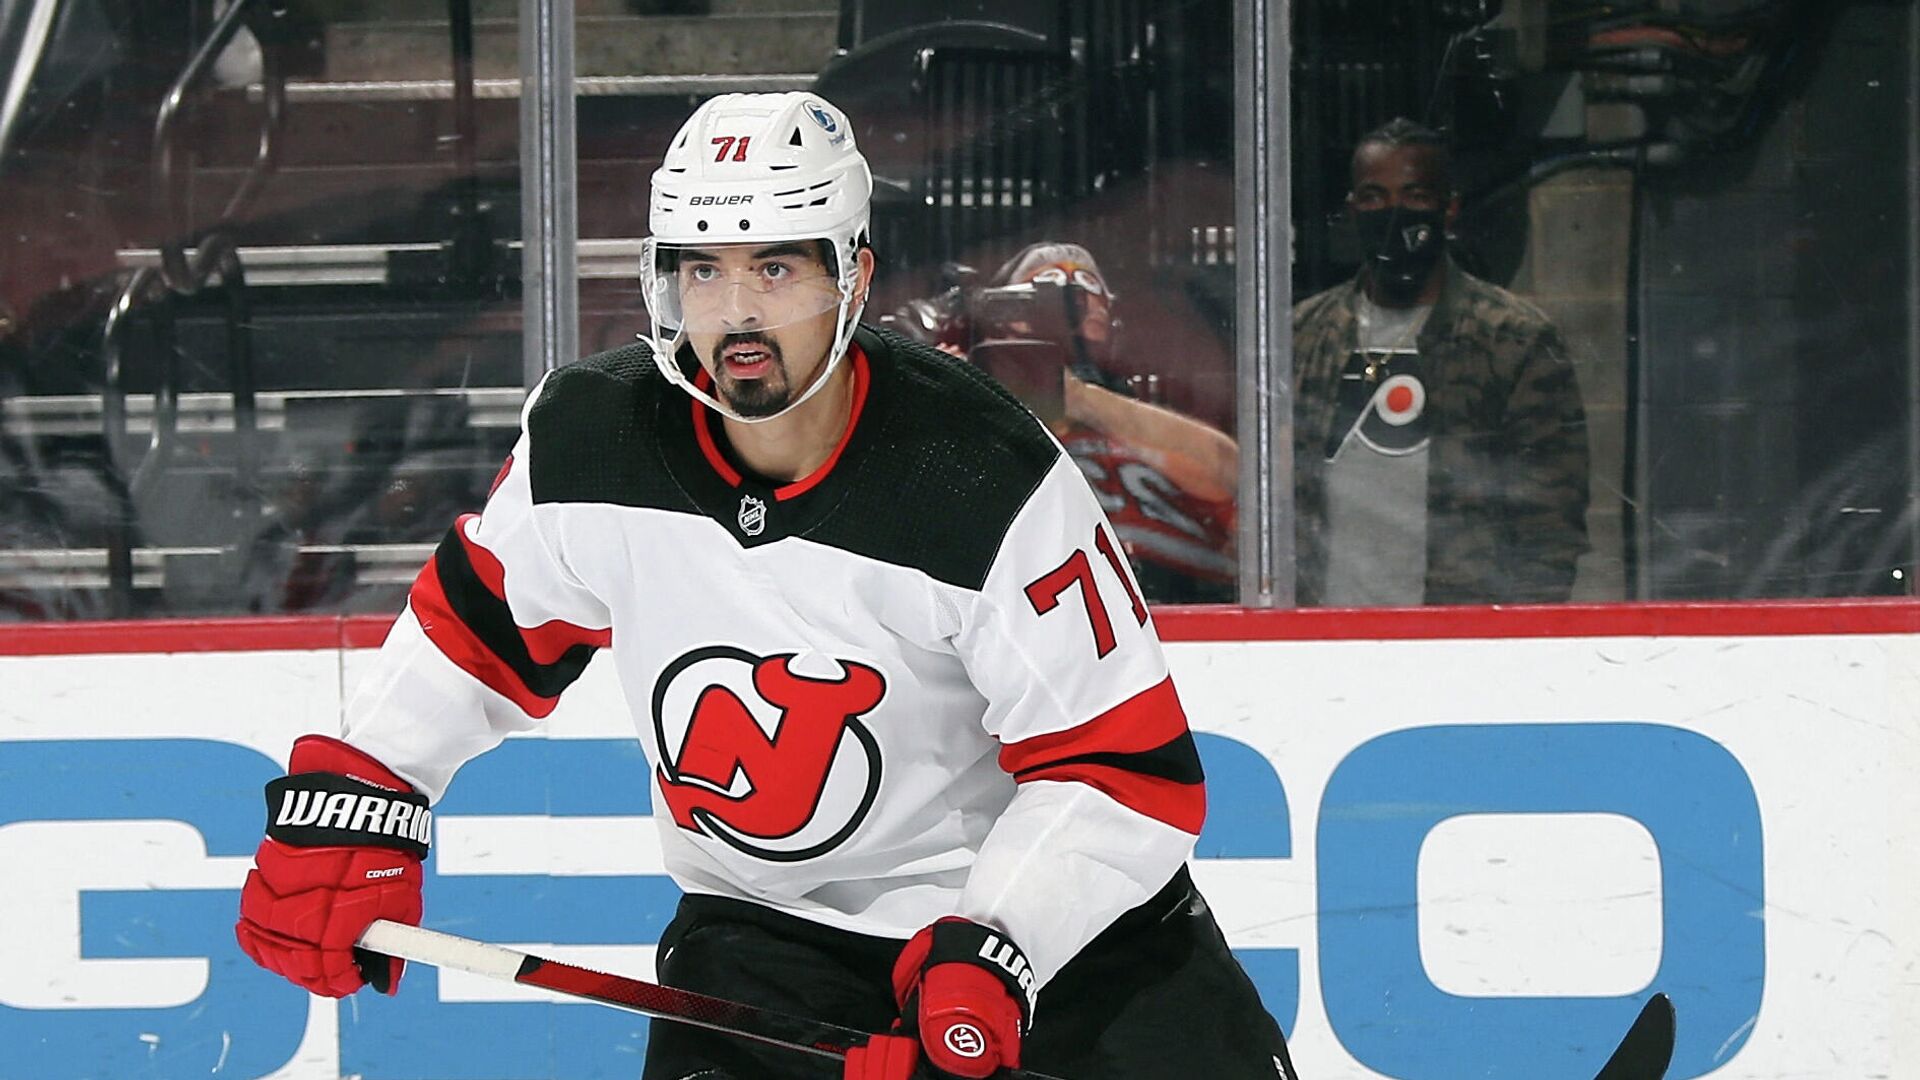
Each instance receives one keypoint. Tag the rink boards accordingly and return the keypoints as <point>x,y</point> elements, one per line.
<point>1445,845</point>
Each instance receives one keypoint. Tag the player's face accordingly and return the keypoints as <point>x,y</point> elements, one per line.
<point>761,319</point>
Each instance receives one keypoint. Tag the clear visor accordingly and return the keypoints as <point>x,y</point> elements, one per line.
<point>698,290</point>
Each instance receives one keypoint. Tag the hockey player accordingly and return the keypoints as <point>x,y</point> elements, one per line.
<point>917,761</point>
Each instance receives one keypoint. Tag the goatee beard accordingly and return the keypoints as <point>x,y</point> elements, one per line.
<point>752,398</point>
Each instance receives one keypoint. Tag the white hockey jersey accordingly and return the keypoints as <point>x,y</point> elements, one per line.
<point>919,682</point>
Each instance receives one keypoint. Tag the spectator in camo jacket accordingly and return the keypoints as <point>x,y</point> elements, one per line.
<point>1440,442</point>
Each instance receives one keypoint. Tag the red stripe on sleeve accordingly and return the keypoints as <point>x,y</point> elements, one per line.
<point>456,640</point>
<point>461,645</point>
<point>547,642</point>
<point>1183,806</point>
<point>1148,720</point>
<point>486,566</point>
<point>1144,722</point>
<point>500,477</point>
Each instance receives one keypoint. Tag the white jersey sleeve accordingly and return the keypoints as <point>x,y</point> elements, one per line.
<point>1110,796</point>
<point>495,627</point>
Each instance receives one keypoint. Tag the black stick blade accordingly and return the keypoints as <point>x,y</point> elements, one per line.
<point>1648,1048</point>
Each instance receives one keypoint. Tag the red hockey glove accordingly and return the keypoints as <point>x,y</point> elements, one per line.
<point>345,838</point>
<point>885,1057</point>
<point>967,993</point>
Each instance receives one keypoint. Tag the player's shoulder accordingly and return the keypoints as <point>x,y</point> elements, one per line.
<point>601,382</point>
<point>955,463</point>
<point>591,431</point>
<point>955,416</point>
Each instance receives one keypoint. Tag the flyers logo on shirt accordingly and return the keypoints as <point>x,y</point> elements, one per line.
<point>1382,404</point>
<point>1396,421</point>
<point>767,754</point>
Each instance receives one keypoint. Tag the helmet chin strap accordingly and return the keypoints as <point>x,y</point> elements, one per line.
<point>844,322</point>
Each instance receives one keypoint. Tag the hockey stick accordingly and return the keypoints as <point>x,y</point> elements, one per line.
<point>1647,1049</point>
<point>422,946</point>
<point>1643,1054</point>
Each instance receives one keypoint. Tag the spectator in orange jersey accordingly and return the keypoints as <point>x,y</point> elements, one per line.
<point>1045,327</point>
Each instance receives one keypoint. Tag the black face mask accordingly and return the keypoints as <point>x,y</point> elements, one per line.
<point>1402,247</point>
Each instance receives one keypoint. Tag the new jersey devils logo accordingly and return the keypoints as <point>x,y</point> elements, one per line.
<point>770,761</point>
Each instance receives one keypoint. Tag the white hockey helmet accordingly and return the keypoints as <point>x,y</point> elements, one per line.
<point>755,168</point>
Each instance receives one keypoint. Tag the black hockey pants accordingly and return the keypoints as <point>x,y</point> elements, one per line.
<point>1157,996</point>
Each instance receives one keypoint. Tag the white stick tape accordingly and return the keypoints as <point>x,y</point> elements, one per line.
<point>441,950</point>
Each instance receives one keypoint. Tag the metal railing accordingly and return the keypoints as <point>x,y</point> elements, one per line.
<point>609,258</point>
<point>489,407</point>
<point>698,86</point>
<point>190,260</point>
<point>92,568</point>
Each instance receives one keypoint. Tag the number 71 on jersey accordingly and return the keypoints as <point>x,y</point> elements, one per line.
<point>1044,592</point>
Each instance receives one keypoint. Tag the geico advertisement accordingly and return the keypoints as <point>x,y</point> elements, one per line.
<point>1437,859</point>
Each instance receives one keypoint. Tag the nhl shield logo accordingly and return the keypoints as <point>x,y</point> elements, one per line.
<point>753,515</point>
